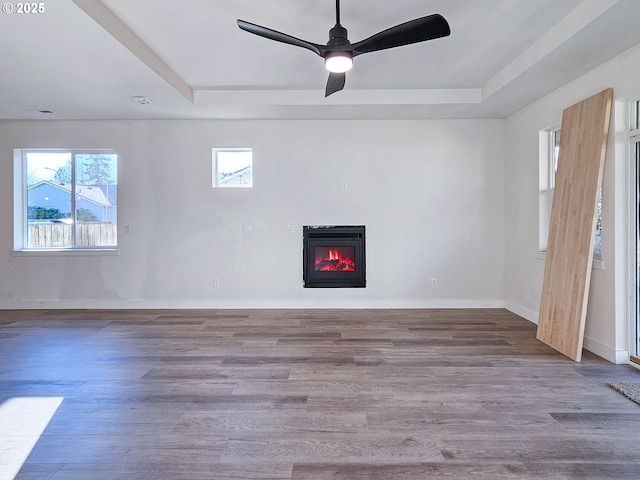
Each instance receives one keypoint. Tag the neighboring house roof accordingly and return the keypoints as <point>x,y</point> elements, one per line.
<point>87,192</point>
<point>110,191</point>
<point>235,177</point>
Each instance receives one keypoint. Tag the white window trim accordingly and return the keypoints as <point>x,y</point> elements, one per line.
<point>61,252</point>
<point>634,123</point>
<point>632,210</point>
<point>20,200</point>
<point>545,185</point>
<point>214,168</point>
<point>546,181</point>
<point>596,263</point>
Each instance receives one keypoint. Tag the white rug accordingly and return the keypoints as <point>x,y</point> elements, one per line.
<point>631,390</point>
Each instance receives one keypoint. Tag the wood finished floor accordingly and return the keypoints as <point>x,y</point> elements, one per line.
<point>314,395</point>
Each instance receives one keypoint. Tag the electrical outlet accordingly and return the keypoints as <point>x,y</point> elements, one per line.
<point>434,282</point>
<point>293,228</point>
<point>344,185</point>
<point>216,282</point>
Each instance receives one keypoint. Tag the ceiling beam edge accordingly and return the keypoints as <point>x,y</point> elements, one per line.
<point>123,34</point>
<point>566,28</point>
<point>460,96</point>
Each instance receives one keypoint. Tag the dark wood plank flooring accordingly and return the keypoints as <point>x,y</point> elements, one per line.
<point>314,395</point>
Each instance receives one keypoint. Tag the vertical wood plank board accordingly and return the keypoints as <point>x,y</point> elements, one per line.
<point>567,272</point>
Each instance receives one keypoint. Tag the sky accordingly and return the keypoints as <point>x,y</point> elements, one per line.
<point>233,160</point>
<point>43,165</point>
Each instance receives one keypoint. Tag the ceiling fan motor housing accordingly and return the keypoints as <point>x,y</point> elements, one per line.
<point>338,36</point>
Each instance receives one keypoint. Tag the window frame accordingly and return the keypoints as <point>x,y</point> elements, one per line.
<point>546,185</point>
<point>215,183</point>
<point>634,124</point>
<point>554,153</point>
<point>634,230</point>
<point>20,203</point>
<point>549,154</point>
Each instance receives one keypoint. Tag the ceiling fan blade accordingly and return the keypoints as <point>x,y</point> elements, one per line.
<point>413,31</point>
<point>280,37</point>
<point>335,83</point>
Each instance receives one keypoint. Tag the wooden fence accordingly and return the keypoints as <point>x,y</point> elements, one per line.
<point>59,235</point>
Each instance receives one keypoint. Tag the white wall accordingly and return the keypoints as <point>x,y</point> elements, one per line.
<point>608,315</point>
<point>431,194</point>
<point>454,200</point>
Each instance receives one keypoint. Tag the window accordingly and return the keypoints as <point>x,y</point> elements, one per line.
<point>635,226</point>
<point>550,147</point>
<point>232,168</point>
<point>549,143</point>
<point>634,134</point>
<point>65,199</point>
<point>554,148</point>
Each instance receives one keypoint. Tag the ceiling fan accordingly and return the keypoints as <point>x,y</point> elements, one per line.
<point>338,53</point>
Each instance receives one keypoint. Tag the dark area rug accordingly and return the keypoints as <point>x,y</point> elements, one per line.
<point>631,390</point>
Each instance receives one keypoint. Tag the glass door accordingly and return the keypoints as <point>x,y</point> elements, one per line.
<point>635,349</point>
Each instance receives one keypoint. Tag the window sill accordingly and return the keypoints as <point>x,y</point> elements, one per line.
<point>596,264</point>
<point>52,252</point>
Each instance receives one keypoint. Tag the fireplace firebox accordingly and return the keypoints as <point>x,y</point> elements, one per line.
<point>334,256</point>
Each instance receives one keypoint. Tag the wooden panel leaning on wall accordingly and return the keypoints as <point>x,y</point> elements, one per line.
<point>567,272</point>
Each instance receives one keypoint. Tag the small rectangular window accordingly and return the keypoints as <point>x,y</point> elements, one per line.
<point>66,199</point>
<point>232,168</point>
<point>635,115</point>
<point>555,153</point>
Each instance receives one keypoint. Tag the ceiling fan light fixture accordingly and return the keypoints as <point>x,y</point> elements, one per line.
<point>338,53</point>
<point>338,62</point>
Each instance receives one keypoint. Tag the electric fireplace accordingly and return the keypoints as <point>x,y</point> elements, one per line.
<point>333,256</point>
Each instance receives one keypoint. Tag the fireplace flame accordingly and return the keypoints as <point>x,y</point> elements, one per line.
<point>334,262</point>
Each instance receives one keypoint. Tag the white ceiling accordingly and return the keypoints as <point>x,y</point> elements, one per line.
<point>86,59</point>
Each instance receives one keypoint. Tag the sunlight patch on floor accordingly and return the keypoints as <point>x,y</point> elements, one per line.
<point>22,422</point>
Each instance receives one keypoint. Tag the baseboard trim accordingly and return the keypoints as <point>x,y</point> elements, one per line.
<point>523,312</point>
<point>247,304</point>
<point>606,352</point>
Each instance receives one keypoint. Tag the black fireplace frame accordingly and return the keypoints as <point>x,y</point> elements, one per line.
<point>334,236</point>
